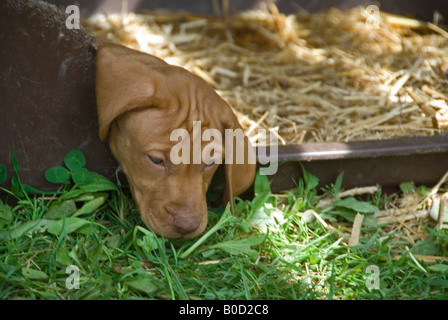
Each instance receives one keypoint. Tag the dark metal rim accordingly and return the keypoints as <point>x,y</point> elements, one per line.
<point>358,149</point>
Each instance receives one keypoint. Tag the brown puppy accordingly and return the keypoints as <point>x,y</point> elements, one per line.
<point>141,101</point>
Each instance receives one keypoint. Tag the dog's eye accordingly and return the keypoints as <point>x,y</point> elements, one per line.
<point>156,160</point>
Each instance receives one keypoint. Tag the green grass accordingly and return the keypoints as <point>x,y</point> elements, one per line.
<point>273,248</point>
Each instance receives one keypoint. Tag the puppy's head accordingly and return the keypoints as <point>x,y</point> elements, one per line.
<point>165,127</point>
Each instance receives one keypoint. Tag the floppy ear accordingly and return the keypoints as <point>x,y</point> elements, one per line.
<point>240,170</point>
<point>125,80</point>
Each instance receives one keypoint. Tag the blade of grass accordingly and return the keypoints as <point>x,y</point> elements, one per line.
<point>170,274</point>
<point>415,260</point>
<point>331,292</point>
<point>225,219</point>
<point>245,284</point>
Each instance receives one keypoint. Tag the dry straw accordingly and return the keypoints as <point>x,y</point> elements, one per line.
<point>319,77</point>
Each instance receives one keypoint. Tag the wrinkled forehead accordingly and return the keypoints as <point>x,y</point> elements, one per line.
<point>157,125</point>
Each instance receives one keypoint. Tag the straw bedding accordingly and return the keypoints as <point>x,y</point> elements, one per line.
<point>325,77</point>
<point>319,77</point>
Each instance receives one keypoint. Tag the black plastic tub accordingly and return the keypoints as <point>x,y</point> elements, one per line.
<point>43,135</point>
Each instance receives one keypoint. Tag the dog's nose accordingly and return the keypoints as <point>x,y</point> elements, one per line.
<point>186,224</point>
<point>186,219</point>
